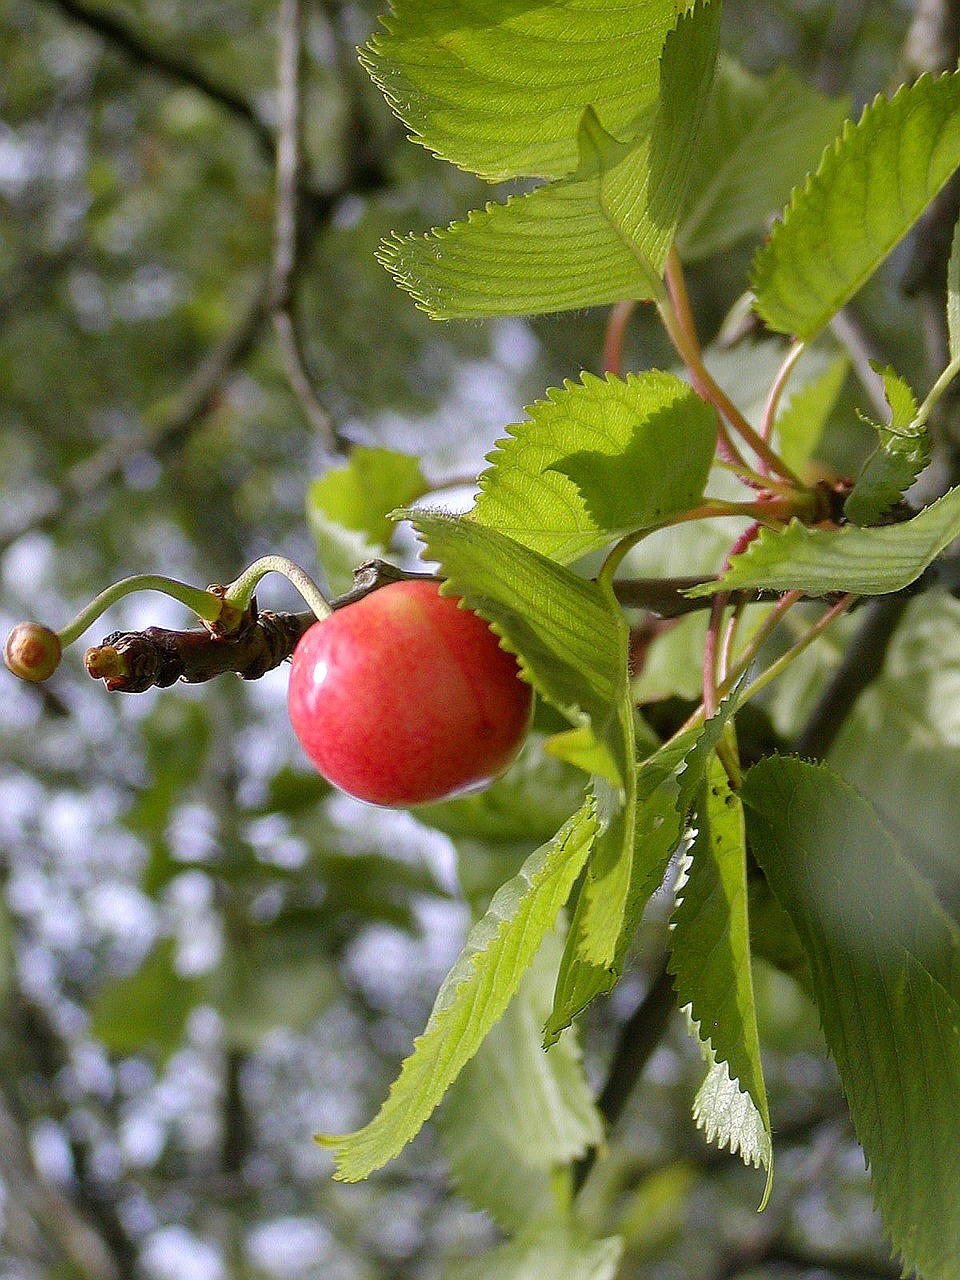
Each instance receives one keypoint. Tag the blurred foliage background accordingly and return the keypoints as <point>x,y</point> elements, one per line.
<point>206,958</point>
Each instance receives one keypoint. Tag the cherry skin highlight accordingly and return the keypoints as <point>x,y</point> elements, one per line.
<point>405,697</point>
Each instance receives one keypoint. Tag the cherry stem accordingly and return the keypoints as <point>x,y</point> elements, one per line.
<point>240,592</point>
<point>678,322</point>
<point>729,639</point>
<point>204,604</point>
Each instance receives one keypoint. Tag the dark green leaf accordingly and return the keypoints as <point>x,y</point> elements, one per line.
<point>885,966</point>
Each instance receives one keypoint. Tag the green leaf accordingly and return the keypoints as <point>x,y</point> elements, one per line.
<point>865,561</point>
<point>666,786</point>
<point>885,965</point>
<point>870,188</point>
<point>347,508</point>
<point>658,830</point>
<point>800,425</point>
<point>551,250</point>
<point>600,456</point>
<point>452,72</point>
<point>603,895</point>
<point>570,638</point>
<point>472,998</point>
<point>360,494</point>
<point>148,1010</point>
<point>760,136</point>
<point>953,295</point>
<point>600,235</point>
<point>549,1251</point>
<point>903,452</point>
<point>517,1114</point>
<point>663,469</point>
<point>710,961</point>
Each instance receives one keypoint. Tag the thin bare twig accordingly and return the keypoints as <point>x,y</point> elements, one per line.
<point>172,424</point>
<point>639,1037</point>
<point>850,333</point>
<point>171,65</point>
<point>287,240</point>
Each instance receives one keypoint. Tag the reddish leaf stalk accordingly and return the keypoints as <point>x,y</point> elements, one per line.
<point>678,321</point>
<point>616,333</point>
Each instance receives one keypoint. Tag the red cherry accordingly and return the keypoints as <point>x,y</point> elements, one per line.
<point>405,698</point>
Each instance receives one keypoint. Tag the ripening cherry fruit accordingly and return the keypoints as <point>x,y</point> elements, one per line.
<point>405,697</point>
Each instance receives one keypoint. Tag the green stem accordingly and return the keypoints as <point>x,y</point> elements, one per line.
<point>936,391</point>
<point>758,639</point>
<point>794,353</point>
<point>203,603</point>
<point>781,664</point>
<point>240,592</point>
<point>774,515</point>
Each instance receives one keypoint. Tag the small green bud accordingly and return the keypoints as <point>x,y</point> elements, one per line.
<point>32,651</point>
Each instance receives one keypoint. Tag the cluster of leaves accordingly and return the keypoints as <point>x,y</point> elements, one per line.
<point>645,145</point>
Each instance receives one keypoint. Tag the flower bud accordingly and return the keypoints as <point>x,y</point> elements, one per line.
<point>32,651</point>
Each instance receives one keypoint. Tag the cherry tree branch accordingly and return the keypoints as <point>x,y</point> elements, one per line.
<point>287,239</point>
<point>166,63</point>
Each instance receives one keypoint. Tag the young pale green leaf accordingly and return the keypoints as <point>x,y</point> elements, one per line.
<point>452,72</point>
<point>800,425</point>
<point>595,237</point>
<point>710,961</point>
<point>870,188</point>
<point>361,493</point>
<point>347,508</point>
<point>570,636</point>
<point>547,1251</point>
<point>865,561</point>
<point>760,136</point>
<point>472,998</point>
<point>902,453</point>
<point>598,457</point>
<point>729,1117</point>
<point>885,965</point>
<point>953,295</point>
<point>516,1114</point>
